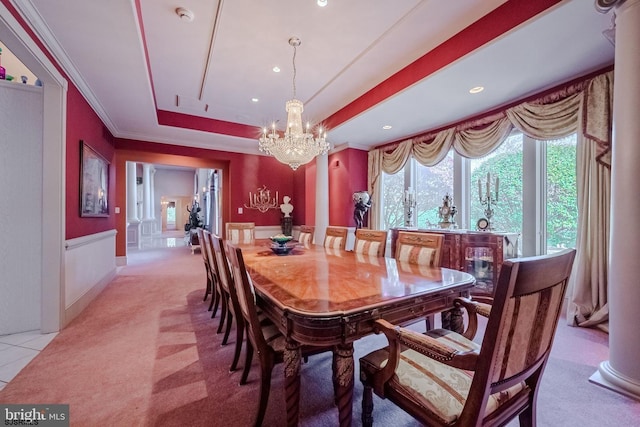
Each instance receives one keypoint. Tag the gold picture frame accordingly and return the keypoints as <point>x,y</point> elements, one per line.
<point>94,183</point>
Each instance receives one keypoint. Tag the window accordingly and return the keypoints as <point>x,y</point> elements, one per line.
<point>504,163</point>
<point>392,199</point>
<point>561,200</point>
<point>537,192</point>
<point>432,184</point>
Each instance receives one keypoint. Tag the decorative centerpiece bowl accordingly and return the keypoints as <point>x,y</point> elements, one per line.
<point>280,246</point>
<point>281,239</point>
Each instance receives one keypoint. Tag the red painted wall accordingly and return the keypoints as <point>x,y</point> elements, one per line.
<point>347,174</point>
<point>84,124</point>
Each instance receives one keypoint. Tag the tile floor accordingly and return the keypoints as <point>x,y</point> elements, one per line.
<point>17,350</point>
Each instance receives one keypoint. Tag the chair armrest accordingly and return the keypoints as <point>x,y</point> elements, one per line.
<point>401,337</point>
<point>478,306</point>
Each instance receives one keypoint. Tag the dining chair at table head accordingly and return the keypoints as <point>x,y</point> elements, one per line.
<point>306,235</point>
<point>241,232</point>
<point>419,248</point>
<point>445,379</point>
<point>263,336</point>
<point>335,238</point>
<point>370,242</point>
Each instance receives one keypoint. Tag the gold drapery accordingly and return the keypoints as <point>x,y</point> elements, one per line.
<point>584,108</point>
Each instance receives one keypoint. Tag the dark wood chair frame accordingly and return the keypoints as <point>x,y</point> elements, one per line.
<point>426,240</point>
<point>212,272</point>
<point>546,276</point>
<point>372,236</point>
<point>231,305</point>
<point>268,356</point>
<point>336,232</point>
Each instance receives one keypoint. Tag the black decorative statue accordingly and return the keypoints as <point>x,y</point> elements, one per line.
<point>194,217</point>
<point>363,203</point>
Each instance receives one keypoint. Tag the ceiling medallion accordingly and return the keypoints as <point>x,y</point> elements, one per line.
<point>298,146</point>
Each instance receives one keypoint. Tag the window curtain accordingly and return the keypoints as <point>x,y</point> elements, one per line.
<point>584,108</point>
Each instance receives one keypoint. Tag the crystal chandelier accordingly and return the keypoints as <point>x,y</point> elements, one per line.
<point>298,146</point>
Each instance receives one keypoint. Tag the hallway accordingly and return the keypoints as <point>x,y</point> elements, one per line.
<point>17,350</point>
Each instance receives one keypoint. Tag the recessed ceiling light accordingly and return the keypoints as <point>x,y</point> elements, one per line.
<point>254,99</point>
<point>322,3</point>
<point>387,127</point>
<point>476,89</point>
<point>276,69</point>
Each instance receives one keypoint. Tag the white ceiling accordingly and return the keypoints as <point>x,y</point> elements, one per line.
<point>131,58</point>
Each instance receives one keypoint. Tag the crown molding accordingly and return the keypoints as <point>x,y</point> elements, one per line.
<point>42,30</point>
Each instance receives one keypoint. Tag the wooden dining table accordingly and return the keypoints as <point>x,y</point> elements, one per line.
<point>325,297</point>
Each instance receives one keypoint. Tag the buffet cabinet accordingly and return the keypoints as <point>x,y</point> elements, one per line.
<point>480,253</point>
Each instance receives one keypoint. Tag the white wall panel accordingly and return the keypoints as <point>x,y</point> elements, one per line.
<point>21,216</point>
<point>89,263</point>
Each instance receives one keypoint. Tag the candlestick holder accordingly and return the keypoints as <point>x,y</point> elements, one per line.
<point>489,199</point>
<point>409,207</point>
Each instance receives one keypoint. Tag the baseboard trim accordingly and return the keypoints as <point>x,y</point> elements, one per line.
<point>608,377</point>
<point>81,303</point>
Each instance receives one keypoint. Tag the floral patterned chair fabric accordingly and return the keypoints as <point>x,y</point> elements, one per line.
<point>445,379</point>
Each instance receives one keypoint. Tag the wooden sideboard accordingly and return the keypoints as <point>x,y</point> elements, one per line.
<point>480,253</point>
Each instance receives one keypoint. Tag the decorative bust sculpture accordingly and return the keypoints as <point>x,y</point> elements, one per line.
<point>446,212</point>
<point>286,208</point>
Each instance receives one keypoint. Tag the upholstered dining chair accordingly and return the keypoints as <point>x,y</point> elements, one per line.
<point>419,248</point>
<point>306,235</point>
<point>370,242</point>
<point>445,379</point>
<point>263,336</point>
<point>212,272</point>
<point>241,232</point>
<point>230,303</point>
<point>335,238</point>
<point>207,290</point>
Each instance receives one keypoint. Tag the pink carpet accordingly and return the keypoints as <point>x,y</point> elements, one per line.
<point>145,353</point>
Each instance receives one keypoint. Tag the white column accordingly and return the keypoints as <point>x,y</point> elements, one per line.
<point>132,194</point>
<point>146,192</point>
<point>322,197</point>
<point>152,199</point>
<point>133,221</point>
<point>622,371</point>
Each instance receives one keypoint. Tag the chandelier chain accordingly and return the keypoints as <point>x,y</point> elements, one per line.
<point>294,71</point>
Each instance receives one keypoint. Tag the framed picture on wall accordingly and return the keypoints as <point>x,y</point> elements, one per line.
<point>94,182</point>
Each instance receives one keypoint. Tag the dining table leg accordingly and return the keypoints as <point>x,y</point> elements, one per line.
<point>292,359</point>
<point>343,368</point>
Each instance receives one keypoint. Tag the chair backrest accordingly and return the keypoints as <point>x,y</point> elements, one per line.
<point>221,263</point>
<point>200,233</point>
<point>241,232</point>
<point>521,327</point>
<point>335,238</point>
<point>370,242</point>
<point>207,254</point>
<point>246,297</point>
<point>306,234</point>
<point>419,248</point>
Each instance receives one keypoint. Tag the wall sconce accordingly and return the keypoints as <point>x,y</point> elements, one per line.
<point>262,200</point>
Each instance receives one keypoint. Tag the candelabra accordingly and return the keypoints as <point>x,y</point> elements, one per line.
<point>409,207</point>
<point>262,200</point>
<point>490,198</point>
